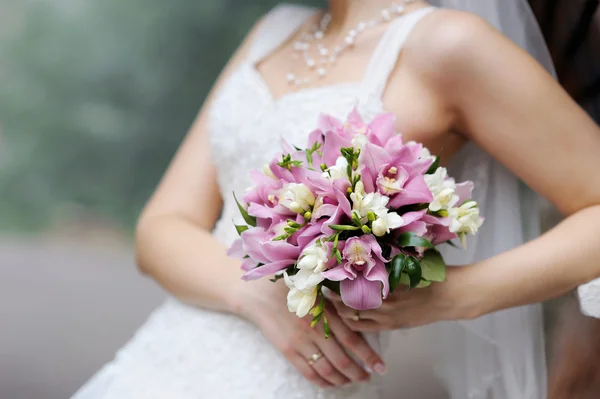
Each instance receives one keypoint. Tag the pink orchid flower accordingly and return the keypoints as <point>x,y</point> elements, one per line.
<point>362,274</point>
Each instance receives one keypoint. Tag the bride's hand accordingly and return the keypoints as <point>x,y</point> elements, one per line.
<point>265,306</point>
<point>451,300</point>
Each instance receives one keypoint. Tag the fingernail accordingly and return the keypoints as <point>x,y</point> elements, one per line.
<point>368,369</point>
<point>380,368</point>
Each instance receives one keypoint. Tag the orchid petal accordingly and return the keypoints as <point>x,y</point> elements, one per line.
<point>333,144</point>
<point>381,129</point>
<point>415,191</point>
<point>237,249</point>
<point>361,294</point>
<point>267,270</point>
<point>379,273</point>
<point>279,250</point>
<point>338,273</point>
<point>464,191</point>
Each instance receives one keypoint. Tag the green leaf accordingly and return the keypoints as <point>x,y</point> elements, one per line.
<point>251,220</point>
<point>434,166</point>
<point>424,284</point>
<point>241,229</point>
<point>309,157</point>
<point>410,239</point>
<point>433,267</point>
<point>397,267</point>
<point>338,227</point>
<point>413,269</point>
<point>326,327</point>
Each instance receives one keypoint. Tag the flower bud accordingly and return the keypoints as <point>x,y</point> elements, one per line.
<point>372,216</point>
<point>365,229</point>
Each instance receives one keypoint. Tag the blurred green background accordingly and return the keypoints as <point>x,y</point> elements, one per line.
<point>96,96</point>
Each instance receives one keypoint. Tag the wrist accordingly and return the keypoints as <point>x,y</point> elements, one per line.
<point>243,300</point>
<point>468,294</point>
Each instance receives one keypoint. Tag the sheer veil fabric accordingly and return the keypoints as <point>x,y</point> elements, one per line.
<point>499,355</point>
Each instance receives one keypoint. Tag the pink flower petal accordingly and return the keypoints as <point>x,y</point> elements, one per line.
<point>328,123</point>
<point>374,246</point>
<point>261,211</point>
<point>338,273</point>
<point>411,217</point>
<point>249,264</point>
<point>333,144</point>
<point>279,250</point>
<point>464,191</point>
<point>361,294</point>
<point>418,227</point>
<point>378,273</point>
<point>381,129</point>
<point>266,270</point>
<point>415,192</point>
<point>237,249</point>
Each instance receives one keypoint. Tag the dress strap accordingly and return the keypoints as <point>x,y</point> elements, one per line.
<point>277,27</point>
<point>386,53</point>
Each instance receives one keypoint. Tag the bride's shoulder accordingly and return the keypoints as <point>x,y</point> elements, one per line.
<point>451,42</point>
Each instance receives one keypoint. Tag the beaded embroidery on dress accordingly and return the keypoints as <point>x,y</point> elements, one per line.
<point>183,352</point>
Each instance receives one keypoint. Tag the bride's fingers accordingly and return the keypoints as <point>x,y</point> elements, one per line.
<point>336,354</point>
<point>347,313</point>
<point>307,370</point>
<point>322,365</point>
<point>355,343</point>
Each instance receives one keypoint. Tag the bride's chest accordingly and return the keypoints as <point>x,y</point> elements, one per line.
<point>247,123</point>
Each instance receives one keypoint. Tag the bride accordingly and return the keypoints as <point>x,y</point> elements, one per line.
<point>457,85</point>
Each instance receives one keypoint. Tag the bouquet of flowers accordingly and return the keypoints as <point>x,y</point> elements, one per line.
<point>358,211</point>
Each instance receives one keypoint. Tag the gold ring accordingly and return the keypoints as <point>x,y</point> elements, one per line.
<point>314,358</point>
<point>356,316</point>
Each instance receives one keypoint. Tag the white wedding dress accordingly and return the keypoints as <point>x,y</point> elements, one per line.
<point>183,352</point>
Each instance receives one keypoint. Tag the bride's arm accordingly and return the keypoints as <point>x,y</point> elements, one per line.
<point>512,108</point>
<point>503,100</point>
<point>174,243</point>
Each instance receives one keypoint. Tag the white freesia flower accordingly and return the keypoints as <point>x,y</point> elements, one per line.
<point>299,301</point>
<point>443,190</point>
<point>375,203</point>
<point>313,258</point>
<point>338,171</point>
<point>384,224</point>
<point>359,140</point>
<point>306,280</point>
<point>465,219</point>
<point>297,197</point>
<point>363,203</point>
<point>424,154</point>
<point>268,172</point>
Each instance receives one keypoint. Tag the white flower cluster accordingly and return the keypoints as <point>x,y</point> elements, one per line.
<point>376,204</point>
<point>297,198</point>
<point>465,218</point>
<point>303,286</point>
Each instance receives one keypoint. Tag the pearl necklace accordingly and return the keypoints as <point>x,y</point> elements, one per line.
<point>328,57</point>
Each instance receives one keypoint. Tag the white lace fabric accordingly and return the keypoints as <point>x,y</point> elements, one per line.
<point>184,353</point>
